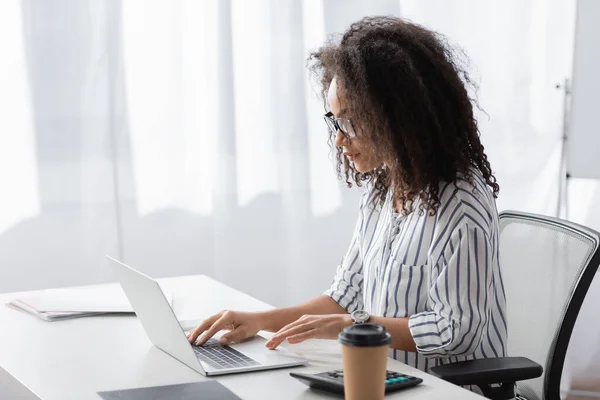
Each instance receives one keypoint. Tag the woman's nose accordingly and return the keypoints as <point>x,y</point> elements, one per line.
<point>340,138</point>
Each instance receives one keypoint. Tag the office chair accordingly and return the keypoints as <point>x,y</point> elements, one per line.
<point>548,265</point>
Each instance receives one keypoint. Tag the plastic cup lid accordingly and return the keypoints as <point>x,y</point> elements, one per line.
<point>365,335</point>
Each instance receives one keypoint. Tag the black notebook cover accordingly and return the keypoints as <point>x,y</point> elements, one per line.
<point>209,390</point>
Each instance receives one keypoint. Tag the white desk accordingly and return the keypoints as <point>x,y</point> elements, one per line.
<point>74,359</point>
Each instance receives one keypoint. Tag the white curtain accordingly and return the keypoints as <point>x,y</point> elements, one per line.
<point>228,150</point>
<point>185,137</point>
<point>20,199</point>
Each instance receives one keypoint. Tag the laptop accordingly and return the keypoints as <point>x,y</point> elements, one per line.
<point>166,333</point>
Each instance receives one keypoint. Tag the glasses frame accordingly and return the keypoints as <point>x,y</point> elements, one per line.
<point>334,125</point>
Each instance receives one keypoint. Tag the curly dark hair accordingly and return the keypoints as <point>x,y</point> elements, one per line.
<point>406,88</point>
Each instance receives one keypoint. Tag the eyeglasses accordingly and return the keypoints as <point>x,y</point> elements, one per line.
<point>343,125</point>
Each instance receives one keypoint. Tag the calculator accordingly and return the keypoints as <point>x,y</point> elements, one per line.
<point>333,381</point>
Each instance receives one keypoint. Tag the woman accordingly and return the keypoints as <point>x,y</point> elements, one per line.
<point>423,261</point>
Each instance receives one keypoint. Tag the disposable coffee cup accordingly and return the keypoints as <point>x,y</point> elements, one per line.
<point>364,358</point>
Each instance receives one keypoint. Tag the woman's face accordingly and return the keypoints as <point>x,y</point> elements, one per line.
<point>357,150</point>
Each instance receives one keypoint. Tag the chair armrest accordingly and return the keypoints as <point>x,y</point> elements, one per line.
<point>486,371</point>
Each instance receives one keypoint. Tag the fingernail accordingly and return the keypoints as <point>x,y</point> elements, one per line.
<point>224,341</point>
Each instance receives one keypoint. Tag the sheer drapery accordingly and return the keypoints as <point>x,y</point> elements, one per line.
<point>20,199</point>
<point>185,137</point>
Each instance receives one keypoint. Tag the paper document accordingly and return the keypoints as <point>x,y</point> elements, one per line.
<point>54,304</point>
<point>47,316</point>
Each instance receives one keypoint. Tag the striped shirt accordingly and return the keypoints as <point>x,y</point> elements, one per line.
<point>441,271</point>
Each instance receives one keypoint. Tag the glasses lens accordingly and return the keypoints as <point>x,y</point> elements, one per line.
<point>346,127</point>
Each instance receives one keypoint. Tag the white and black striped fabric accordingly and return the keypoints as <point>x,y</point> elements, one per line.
<point>441,271</point>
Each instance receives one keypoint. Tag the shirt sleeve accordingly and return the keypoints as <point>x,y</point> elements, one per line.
<point>454,326</point>
<point>346,289</point>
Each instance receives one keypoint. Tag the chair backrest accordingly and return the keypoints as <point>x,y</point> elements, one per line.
<point>547,266</point>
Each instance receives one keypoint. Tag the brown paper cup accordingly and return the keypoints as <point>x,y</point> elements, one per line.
<point>364,357</point>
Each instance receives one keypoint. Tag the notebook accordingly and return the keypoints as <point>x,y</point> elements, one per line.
<point>209,390</point>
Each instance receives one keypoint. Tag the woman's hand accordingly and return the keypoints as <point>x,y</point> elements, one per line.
<point>242,325</point>
<point>311,327</point>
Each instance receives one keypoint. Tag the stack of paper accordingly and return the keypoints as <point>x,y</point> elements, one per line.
<point>61,304</point>
<point>46,315</point>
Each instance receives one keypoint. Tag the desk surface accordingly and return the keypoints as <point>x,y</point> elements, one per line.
<point>74,359</point>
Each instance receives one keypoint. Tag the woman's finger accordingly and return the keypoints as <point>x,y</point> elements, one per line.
<point>302,320</point>
<point>207,323</point>
<point>216,327</point>
<point>234,336</point>
<point>301,337</point>
<point>282,335</point>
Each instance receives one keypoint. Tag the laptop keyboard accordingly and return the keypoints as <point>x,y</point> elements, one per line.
<point>222,357</point>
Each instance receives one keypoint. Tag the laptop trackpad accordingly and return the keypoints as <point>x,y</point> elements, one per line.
<point>255,349</point>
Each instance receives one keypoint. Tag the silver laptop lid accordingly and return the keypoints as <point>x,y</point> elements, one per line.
<point>155,313</point>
